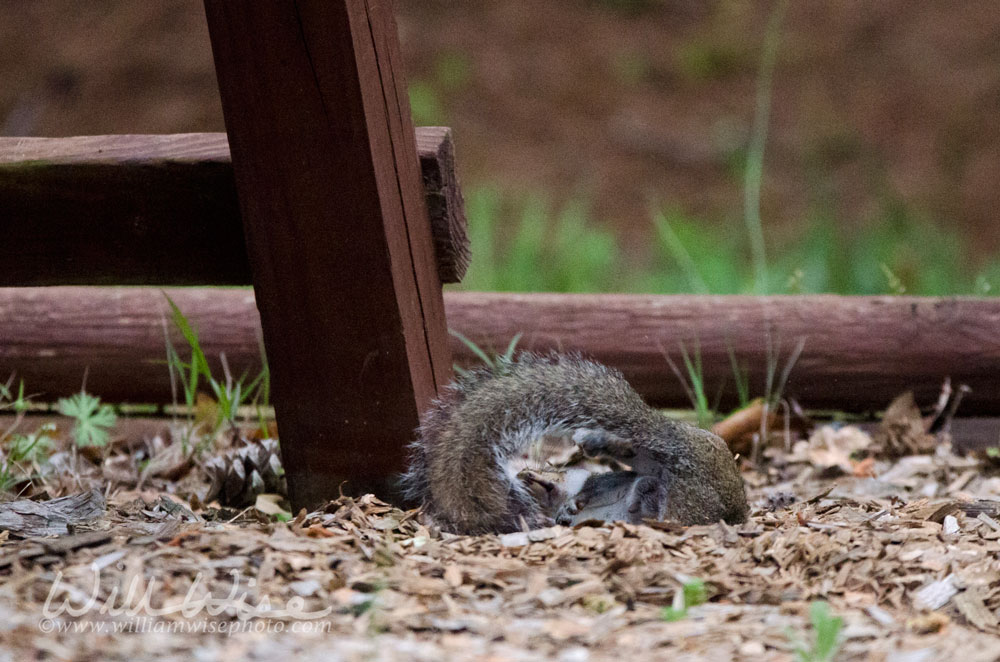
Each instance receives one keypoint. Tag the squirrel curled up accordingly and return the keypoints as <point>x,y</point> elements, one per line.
<point>463,469</point>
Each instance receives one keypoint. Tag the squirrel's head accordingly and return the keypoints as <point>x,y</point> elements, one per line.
<point>706,485</point>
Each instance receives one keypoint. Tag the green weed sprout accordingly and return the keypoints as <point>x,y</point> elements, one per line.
<point>758,139</point>
<point>8,478</point>
<point>19,403</point>
<point>680,253</point>
<point>827,627</point>
<point>775,385</point>
<point>17,448</point>
<point>31,447</point>
<point>741,373</point>
<point>692,594</point>
<point>91,419</point>
<point>230,394</point>
<point>693,382</point>
<point>894,283</point>
<point>491,362</point>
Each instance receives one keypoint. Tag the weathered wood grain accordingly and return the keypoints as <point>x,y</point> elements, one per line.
<point>445,206</point>
<point>56,517</point>
<point>161,210</point>
<point>859,353</point>
<point>336,227</point>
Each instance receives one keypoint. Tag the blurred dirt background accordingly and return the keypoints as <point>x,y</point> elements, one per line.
<point>622,102</point>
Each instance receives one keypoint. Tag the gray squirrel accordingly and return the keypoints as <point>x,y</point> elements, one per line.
<point>463,463</point>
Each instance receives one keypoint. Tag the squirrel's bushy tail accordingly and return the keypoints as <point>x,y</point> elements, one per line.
<point>460,464</point>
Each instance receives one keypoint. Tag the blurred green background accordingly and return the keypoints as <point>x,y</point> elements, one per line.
<point>629,145</point>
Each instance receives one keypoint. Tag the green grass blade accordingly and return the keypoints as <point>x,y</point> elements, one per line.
<point>474,348</point>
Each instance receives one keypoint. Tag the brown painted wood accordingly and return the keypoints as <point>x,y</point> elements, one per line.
<point>326,168</point>
<point>161,210</point>
<point>860,351</point>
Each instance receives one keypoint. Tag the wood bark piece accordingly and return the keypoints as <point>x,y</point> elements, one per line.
<point>860,352</point>
<point>28,519</point>
<point>161,210</point>
<point>327,174</point>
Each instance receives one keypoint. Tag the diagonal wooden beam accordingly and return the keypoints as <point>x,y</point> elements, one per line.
<point>337,234</point>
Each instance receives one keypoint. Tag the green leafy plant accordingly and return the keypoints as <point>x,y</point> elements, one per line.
<point>31,447</point>
<point>774,387</point>
<point>91,419</point>
<point>23,449</point>
<point>519,245</point>
<point>897,250</point>
<point>549,251</point>
<point>19,448</point>
<point>676,248</point>
<point>758,139</point>
<point>693,382</point>
<point>490,361</point>
<point>8,477</point>
<point>17,403</point>
<point>741,374</point>
<point>895,284</point>
<point>262,395</point>
<point>230,393</point>
<point>826,627</point>
<point>692,594</point>
<point>189,372</point>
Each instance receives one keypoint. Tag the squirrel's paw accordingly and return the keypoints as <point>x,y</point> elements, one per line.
<point>567,512</point>
<point>647,500</point>
<point>548,494</point>
<point>598,442</point>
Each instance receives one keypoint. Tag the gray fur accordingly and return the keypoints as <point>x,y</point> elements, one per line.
<point>458,465</point>
<point>616,495</point>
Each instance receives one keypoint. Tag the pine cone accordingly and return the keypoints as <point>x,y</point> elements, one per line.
<point>239,475</point>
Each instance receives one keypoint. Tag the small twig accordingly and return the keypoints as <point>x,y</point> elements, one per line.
<point>680,376</point>
<point>953,408</point>
<point>789,364</point>
<point>943,397</point>
<point>240,514</point>
<point>788,425</point>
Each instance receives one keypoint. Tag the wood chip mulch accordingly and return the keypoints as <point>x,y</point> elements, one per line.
<point>914,579</point>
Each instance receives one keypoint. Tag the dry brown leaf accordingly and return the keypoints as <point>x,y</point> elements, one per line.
<point>903,430</point>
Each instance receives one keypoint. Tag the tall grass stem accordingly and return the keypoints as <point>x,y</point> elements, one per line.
<point>755,154</point>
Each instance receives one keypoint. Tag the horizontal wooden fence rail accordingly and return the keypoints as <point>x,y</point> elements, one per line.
<point>859,352</point>
<point>161,210</point>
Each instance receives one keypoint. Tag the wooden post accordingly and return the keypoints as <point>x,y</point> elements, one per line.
<point>326,171</point>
